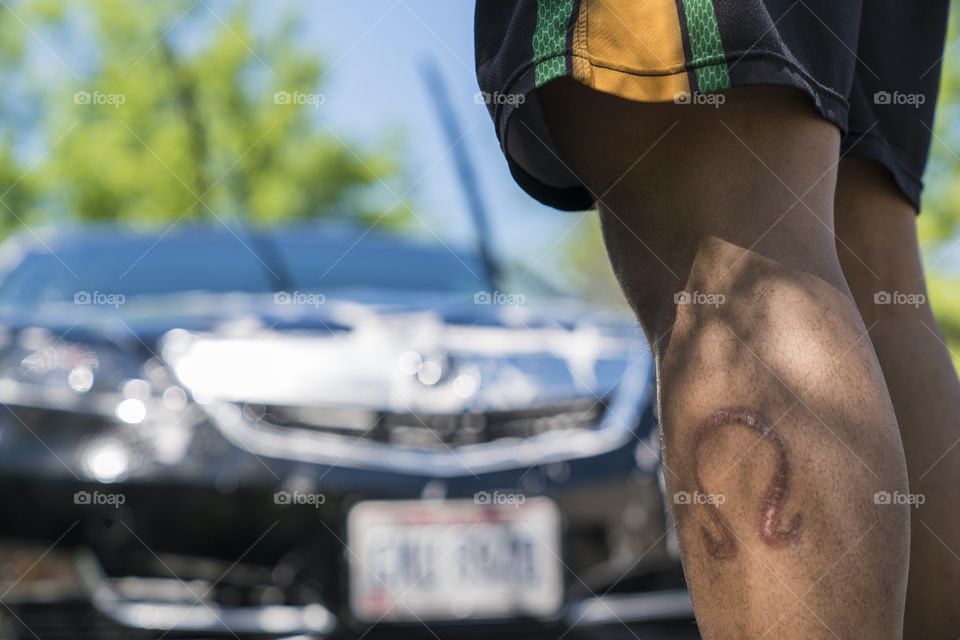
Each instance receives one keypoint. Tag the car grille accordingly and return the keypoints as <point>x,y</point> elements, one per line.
<point>434,430</point>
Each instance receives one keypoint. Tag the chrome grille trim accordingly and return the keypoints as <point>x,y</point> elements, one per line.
<point>616,426</point>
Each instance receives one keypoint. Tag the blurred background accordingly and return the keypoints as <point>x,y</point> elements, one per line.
<point>201,201</point>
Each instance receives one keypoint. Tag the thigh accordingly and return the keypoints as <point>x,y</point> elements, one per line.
<point>674,182</point>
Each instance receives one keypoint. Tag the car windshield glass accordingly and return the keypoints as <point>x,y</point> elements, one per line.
<point>374,262</point>
<point>143,266</point>
<point>134,266</point>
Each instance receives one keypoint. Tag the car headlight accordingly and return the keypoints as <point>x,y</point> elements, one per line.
<point>38,368</point>
<point>36,356</point>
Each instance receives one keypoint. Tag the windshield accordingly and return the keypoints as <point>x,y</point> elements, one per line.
<point>329,262</point>
<point>137,266</point>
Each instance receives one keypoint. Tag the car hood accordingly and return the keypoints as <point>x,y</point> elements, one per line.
<point>416,352</point>
<point>430,354</point>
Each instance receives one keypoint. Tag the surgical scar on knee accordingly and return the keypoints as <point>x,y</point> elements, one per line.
<point>721,543</point>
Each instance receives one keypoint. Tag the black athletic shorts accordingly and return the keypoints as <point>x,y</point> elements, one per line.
<point>871,67</point>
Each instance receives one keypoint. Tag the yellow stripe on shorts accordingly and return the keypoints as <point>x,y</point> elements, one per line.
<point>630,48</point>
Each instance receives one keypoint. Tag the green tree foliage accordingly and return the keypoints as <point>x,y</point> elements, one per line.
<point>16,193</point>
<point>940,223</point>
<point>941,219</point>
<point>180,111</point>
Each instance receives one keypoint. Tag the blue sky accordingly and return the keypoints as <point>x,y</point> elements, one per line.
<point>373,86</point>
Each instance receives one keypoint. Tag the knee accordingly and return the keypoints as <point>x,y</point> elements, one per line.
<point>718,286</point>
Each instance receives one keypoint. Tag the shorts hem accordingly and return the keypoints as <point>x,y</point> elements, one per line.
<point>819,93</point>
<point>768,69</point>
<point>872,146</point>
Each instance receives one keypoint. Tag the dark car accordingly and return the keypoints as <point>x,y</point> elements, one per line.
<point>322,432</point>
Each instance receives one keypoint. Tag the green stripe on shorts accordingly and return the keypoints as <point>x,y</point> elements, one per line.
<point>550,39</point>
<point>705,44</point>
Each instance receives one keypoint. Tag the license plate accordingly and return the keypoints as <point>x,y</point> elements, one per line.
<point>454,560</point>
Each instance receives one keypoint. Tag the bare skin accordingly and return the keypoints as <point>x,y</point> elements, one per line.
<point>877,243</point>
<point>723,543</point>
<point>733,208</point>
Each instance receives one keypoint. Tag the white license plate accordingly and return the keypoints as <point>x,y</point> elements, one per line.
<point>454,559</point>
